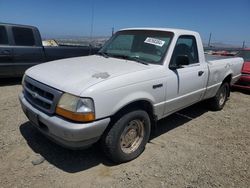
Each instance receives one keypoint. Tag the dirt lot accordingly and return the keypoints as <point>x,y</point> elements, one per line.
<point>193,148</point>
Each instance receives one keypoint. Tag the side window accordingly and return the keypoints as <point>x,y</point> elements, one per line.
<point>3,35</point>
<point>186,45</point>
<point>23,36</point>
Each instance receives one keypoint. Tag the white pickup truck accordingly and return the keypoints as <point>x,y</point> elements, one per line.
<point>141,75</point>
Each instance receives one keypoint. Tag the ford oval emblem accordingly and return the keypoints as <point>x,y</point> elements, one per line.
<point>34,95</point>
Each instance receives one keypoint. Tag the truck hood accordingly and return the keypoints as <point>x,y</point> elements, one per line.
<point>246,67</point>
<point>74,75</point>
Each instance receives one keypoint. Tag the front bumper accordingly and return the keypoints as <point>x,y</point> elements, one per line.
<point>243,82</point>
<point>68,134</point>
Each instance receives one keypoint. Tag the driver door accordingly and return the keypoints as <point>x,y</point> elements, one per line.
<point>187,84</point>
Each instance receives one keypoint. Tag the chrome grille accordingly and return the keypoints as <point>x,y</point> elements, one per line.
<point>40,95</point>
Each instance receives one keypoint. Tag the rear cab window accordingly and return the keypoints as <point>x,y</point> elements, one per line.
<point>3,36</point>
<point>23,36</point>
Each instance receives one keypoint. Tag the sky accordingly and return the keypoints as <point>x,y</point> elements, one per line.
<point>227,20</point>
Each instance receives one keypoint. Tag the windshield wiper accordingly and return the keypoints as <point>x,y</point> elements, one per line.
<point>104,54</point>
<point>137,59</point>
<point>133,58</point>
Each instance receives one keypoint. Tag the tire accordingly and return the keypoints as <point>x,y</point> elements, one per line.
<point>127,137</point>
<point>219,100</point>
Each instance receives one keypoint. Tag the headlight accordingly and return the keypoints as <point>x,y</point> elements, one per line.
<point>76,108</point>
<point>23,79</point>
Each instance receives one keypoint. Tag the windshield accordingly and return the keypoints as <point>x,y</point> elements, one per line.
<point>245,54</point>
<point>144,46</point>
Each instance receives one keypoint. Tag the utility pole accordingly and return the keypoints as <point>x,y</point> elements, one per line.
<point>243,45</point>
<point>113,30</point>
<point>91,28</point>
<point>209,41</point>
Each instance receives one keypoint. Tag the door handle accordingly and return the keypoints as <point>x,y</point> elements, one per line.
<point>5,55</point>
<point>157,86</point>
<point>200,73</point>
<point>5,52</point>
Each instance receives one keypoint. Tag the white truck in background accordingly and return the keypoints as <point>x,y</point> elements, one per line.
<point>141,75</point>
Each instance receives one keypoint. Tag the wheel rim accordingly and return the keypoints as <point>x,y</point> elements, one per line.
<point>222,97</point>
<point>132,136</point>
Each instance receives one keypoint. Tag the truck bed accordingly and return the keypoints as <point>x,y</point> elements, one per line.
<point>216,57</point>
<point>219,66</point>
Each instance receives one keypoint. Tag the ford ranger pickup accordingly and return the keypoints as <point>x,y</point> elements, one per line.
<point>141,75</point>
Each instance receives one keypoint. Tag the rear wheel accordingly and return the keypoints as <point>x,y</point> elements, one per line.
<point>128,136</point>
<point>219,100</point>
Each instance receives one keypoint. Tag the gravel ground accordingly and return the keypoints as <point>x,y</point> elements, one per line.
<point>192,148</point>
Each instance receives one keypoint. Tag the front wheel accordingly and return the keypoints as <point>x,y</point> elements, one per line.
<point>219,100</point>
<point>127,137</point>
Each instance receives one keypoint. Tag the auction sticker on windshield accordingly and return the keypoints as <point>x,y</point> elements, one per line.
<point>154,41</point>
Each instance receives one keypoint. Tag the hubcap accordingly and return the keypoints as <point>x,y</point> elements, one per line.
<point>132,136</point>
<point>223,95</point>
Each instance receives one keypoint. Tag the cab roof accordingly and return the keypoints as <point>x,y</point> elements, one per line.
<point>179,31</point>
<point>17,25</point>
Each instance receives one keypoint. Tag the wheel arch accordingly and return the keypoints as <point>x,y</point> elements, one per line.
<point>142,104</point>
<point>228,79</point>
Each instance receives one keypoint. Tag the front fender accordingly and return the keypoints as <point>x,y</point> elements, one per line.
<point>131,98</point>
<point>108,102</point>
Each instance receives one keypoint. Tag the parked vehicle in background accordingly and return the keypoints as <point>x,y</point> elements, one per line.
<point>141,75</point>
<point>223,53</point>
<point>21,47</point>
<point>244,81</point>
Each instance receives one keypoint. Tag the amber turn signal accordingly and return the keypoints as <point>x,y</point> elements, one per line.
<point>76,116</point>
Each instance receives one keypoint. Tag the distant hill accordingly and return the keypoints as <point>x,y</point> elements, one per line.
<point>100,40</point>
<point>81,41</point>
<point>219,45</point>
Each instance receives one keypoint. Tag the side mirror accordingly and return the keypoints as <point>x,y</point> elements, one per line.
<point>182,60</point>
